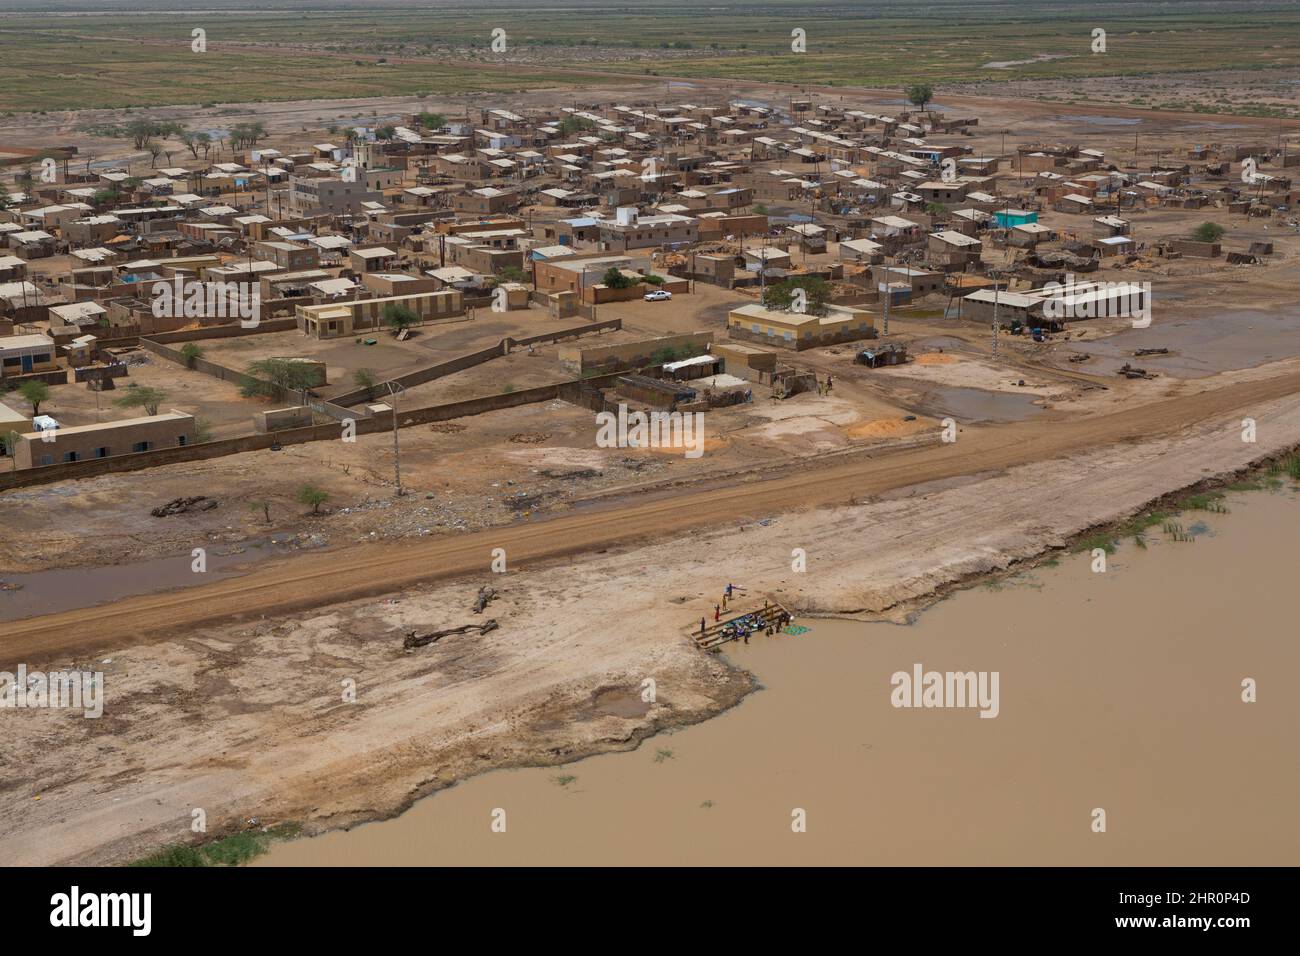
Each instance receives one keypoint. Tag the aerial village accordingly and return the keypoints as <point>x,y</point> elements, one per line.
<point>491,410</point>
<point>455,295</point>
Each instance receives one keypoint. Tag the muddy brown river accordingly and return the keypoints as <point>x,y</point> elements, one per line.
<point>1118,691</point>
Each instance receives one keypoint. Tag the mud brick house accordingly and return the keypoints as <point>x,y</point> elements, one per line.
<point>104,440</point>
<point>797,331</point>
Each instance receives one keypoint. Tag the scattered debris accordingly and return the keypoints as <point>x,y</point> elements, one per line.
<point>485,595</point>
<point>414,640</point>
<point>523,501</point>
<point>571,475</point>
<point>1130,371</point>
<point>529,438</point>
<point>1151,351</point>
<point>180,506</point>
<point>447,428</point>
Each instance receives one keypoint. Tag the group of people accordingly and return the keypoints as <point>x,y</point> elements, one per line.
<point>727,593</point>
<point>742,627</point>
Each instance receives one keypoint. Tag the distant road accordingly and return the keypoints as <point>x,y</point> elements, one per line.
<point>325,578</point>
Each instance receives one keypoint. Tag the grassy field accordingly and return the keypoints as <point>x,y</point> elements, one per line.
<point>285,50</point>
<point>46,73</point>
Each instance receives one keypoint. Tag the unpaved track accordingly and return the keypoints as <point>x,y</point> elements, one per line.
<point>366,570</point>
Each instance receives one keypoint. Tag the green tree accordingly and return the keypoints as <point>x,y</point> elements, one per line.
<point>398,317</point>
<point>34,392</point>
<point>270,376</point>
<point>141,132</point>
<point>246,134</point>
<point>10,442</point>
<point>614,279</point>
<point>1208,232</point>
<point>936,209</point>
<point>196,142</point>
<point>918,94</point>
<point>781,295</point>
<point>142,396</point>
<point>430,120</point>
<point>311,495</point>
<point>144,131</point>
<point>364,378</point>
<point>190,352</point>
<point>262,506</point>
<point>575,124</point>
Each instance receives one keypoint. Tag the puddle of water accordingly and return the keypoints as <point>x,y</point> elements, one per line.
<point>935,343</point>
<point>621,703</point>
<point>1119,690</point>
<point>1037,58</point>
<point>1199,345</point>
<point>978,405</point>
<point>1092,120</point>
<point>48,592</point>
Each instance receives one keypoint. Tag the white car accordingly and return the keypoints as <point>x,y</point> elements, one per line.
<point>658,295</point>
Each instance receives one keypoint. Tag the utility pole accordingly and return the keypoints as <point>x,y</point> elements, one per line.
<point>888,295</point>
<point>395,389</point>
<point>995,316</point>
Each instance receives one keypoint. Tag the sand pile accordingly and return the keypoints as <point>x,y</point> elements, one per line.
<point>936,358</point>
<point>885,428</point>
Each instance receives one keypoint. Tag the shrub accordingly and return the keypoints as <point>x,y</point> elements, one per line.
<point>1208,232</point>
<point>311,495</point>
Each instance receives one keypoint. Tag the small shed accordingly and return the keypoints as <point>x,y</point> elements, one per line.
<point>691,368</point>
<point>881,355</point>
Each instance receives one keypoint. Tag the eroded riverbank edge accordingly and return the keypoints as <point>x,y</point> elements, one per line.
<point>217,719</point>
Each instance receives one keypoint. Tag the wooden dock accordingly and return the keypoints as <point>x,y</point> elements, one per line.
<point>728,629</point>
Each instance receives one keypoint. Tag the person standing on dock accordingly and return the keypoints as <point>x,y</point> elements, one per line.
<point>717,613</point>
<point>724,600</point>
<point>701,627</point>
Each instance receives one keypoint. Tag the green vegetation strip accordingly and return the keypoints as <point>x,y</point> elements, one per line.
<point>234,850</point>
<point>1212,501</point>
<point>115,60</point>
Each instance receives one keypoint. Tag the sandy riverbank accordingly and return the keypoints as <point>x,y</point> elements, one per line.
<point>248,720</point>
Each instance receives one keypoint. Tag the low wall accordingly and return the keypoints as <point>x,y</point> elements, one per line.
<point>469,360</point>
<point>87,372</point>
<point>225,331</point>
<point>216,370</point>
<point>331,431</point>
<point>297,416</point>
<point>58,376</point>
<point>629,354</point>
<point>1195,249</point>
<point>339,403</point>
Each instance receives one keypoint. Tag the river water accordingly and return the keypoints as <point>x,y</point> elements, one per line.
<point>1119,691</point>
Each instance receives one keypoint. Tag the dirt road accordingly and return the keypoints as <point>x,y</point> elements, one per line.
<point>362,571</point>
